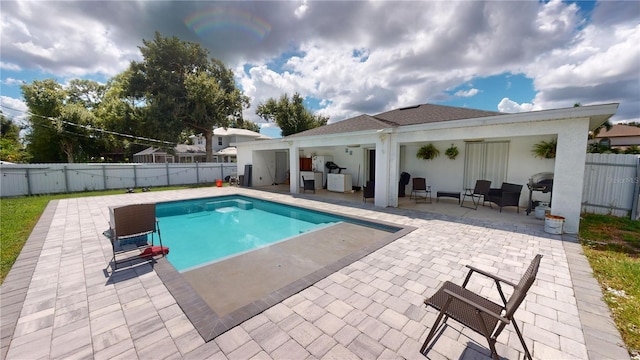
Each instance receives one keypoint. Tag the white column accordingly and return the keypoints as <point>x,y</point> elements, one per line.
<point>294,169</point>
<point>383,151</point>
<point>568,179</point>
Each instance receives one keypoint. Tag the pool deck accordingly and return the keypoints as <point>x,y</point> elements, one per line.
<point>60,299</point>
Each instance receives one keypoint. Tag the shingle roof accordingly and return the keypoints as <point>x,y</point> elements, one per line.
<point>358,123</point>
<point>419,114</point>
<point>619,130</point>
<point>429,113</point>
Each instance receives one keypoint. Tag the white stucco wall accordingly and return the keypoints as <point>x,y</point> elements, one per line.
<point>522,130</point>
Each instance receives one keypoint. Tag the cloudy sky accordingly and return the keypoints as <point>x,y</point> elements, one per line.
<point>349,57</point>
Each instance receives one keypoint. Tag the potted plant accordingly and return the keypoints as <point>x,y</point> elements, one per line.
<point>452,152</point>
<point>545,149</point>
<point>427,152</point>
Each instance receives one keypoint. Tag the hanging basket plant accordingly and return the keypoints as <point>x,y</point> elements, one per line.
<point>545,149</point>
<point>452,152</point>
<point>428,152</point>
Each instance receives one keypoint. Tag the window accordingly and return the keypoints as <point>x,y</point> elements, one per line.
<point>219,140</point>
<point>486,161</point>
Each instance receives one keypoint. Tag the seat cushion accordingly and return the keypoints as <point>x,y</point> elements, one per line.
<point>462,312</point>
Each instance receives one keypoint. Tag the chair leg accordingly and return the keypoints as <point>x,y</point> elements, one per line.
<point>487,335</point>
<point>436,324</point>
<point>524,345</point>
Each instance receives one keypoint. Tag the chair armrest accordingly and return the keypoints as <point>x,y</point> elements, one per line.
<point>492,276</point>
<point>477,306</point>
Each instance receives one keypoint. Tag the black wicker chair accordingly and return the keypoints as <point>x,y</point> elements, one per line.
<point>507,195</point>
<point>369,191</point>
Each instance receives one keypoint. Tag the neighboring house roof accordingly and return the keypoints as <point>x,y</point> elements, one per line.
<point>412,115</point>
<point>238,132</point>
<point>184,148</point>
<point>619,130</point>
<point>231,150</point>
<point>149,151</point>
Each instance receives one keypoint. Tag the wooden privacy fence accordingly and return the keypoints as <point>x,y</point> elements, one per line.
<point>35,179</point>
<point>612,185</point>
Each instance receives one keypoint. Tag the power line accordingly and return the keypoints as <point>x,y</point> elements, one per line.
<point>88,127</point>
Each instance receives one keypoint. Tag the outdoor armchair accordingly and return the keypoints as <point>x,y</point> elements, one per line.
<point>507,195</point>
<point>478,313</point>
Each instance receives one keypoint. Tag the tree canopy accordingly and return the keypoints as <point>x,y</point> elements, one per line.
<point>11,149</point>
<point>179,87</point>
<point>290,114</point>
<point>63,121</point>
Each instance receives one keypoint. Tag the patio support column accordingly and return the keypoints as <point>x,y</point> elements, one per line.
<point>568,181</point>
<point>294,168</point>
<point>383,152</point>
<point>394,170</point>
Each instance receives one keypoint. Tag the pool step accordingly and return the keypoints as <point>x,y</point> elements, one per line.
<point>239,203</point>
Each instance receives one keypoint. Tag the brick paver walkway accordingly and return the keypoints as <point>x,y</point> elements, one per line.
<point>59,300</point>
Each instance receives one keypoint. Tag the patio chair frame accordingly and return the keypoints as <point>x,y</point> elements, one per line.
<point>481,190</point>
<point>419,185</point>
<point>478,313</point>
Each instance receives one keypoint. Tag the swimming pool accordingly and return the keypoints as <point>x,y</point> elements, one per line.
<point>203,231</point>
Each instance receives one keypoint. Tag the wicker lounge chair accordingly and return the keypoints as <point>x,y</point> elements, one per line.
<point>481,190</point>
<point>478,313</point>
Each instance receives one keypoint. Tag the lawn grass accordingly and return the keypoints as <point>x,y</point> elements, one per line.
<point>18,217</point>
<point>612,246</point>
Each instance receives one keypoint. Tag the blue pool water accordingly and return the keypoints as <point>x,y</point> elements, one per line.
<point>202,231</point>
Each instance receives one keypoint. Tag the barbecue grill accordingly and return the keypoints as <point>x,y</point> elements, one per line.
<point>333,166</point>
<point>542,182</point>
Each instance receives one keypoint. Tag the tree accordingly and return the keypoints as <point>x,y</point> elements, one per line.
<point>178,86</point>
<point>88,93</point>
<point>247,125</point>
<point>44,98</point>
<point>291,115</point>
<point>74,135</point>
<point>61,122</point>
<point>213,100</point>
<point>11,149</point>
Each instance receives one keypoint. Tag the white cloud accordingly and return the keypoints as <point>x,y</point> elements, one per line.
<point>354,57</point>
<point>509,106</point>
<point>467,93</point>
<point>9,66</point>
<point>11,82</point>
<point>14,109</point>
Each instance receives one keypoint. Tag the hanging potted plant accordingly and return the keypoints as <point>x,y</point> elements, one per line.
<point>545,149</point>
<point>427,152</point>
<point>452,152</point>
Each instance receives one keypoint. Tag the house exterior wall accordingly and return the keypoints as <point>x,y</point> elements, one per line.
<point>625,141</point>
<point>523,130</point>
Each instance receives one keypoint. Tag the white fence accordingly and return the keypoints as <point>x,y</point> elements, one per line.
<point>612,185</point>
<point>34,179</point>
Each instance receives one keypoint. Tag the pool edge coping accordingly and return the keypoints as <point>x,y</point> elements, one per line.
<point>207,322</point>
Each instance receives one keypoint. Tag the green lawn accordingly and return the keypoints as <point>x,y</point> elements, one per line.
<point>612,246</point>
<point>18,217</point>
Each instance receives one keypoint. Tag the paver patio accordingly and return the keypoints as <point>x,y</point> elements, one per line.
<point>61,301</point>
